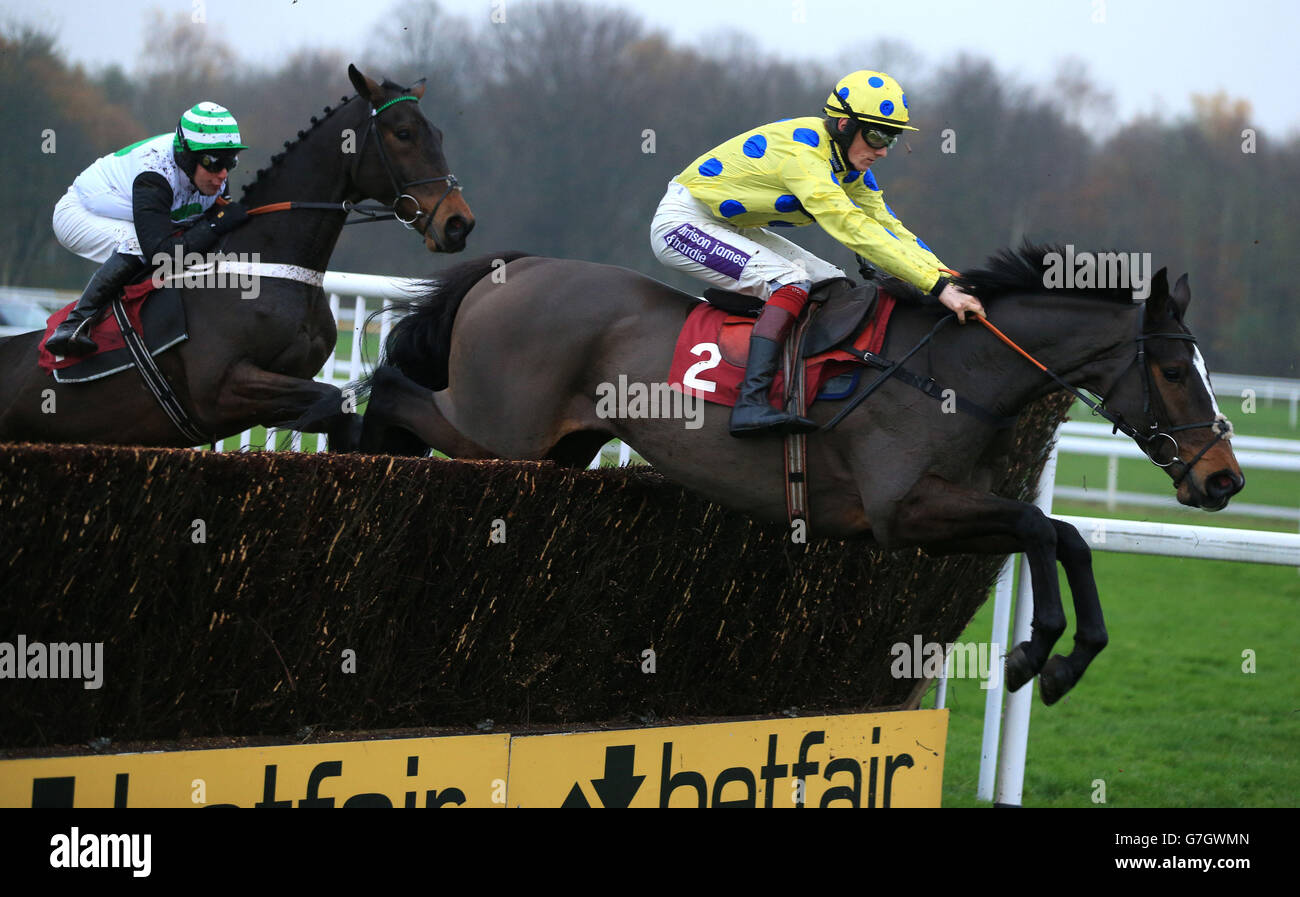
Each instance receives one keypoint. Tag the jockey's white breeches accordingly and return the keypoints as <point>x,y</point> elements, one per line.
<point>750,260</point>
<point>90,235</point>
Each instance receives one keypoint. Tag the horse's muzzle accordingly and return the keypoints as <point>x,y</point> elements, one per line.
<point>455,232</point>
<point>1214,492</point>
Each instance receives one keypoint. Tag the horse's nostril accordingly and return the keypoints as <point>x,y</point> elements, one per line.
<point>1224,483</point>
<point>457,228</point>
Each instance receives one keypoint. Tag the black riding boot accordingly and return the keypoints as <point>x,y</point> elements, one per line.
<point>72,337</point>
<point>752,414</point>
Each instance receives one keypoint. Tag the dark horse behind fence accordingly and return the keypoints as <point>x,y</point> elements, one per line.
<point>509,365</point>
<point>250,361</point>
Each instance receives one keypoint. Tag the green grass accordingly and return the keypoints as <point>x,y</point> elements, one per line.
<point>1265,487</point>
<point>1179,515</point>
<point>1165,715</point>
<point>343,349</point>
<point>1264,418</point>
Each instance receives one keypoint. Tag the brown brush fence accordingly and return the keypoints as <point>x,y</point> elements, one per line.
<point>307,556</point>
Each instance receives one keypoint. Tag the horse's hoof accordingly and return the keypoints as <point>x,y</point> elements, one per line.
<point>1055,679</point>
<point>1019,669</point>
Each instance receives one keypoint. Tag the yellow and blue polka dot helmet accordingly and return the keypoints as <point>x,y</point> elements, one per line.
<point>869,98</point>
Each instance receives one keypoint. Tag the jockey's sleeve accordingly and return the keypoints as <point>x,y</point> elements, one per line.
<point>824,198</point>
<point>151,204</point>
<point>873,203</point>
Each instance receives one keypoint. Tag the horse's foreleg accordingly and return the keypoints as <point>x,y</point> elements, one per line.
<point>255,395</point>
<point>1061,673</point>
<point>944,518</point>
<point>403,418</point>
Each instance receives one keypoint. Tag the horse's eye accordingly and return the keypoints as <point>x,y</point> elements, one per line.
<point>403,134</point>
<point>1173,375</point>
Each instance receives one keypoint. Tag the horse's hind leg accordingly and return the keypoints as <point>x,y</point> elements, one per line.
<point>402,418</point>
<point>254,395</point>
<point>944,518</point>
<point>1061,673</point>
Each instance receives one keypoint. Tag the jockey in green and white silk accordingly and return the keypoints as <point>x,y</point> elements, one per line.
<point>118,193</point>
<point>126,207</point>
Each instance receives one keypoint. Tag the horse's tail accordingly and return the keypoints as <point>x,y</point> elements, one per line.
<point>419,345</point>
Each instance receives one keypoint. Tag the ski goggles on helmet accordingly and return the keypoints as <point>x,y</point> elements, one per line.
<point>215,162</point>
<point>878,138</point>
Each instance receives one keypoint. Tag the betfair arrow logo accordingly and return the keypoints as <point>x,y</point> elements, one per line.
<point>618,786</point>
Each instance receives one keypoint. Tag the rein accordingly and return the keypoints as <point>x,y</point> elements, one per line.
<point>371,213</point>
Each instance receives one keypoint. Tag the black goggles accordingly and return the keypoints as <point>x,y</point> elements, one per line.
<point>215,162</point>
<point>878,139</point>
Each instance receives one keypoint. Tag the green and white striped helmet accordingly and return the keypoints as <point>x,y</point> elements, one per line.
<point>207,127</point>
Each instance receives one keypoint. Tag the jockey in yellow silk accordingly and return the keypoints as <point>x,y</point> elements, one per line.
<point>717,219</point>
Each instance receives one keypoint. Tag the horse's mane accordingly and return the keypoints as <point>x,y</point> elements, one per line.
<point>1015,271</point>
<point>316,122</point>
<point>1022,271</point>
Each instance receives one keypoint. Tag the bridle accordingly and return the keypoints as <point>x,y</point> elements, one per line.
<point>1220,426</point>
<point>374,213</point>
<point>1148,438</point>
<point>400,188</point>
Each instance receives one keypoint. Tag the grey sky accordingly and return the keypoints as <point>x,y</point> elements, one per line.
<point>1150,54</point>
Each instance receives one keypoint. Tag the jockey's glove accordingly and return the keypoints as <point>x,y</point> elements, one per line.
<point>222,219</point>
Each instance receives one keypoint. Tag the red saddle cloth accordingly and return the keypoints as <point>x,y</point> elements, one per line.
<point>104,331</point>
<point>713,346</point>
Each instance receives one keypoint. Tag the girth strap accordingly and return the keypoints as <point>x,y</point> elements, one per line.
<point>154,380</point>
<point>796,444</point>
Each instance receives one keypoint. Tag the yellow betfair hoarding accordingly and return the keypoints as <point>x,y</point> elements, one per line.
<point>861,760</point>
<point>461,771</point>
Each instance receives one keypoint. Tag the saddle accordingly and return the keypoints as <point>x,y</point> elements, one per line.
<point>841,334</point>
<point>823,357</point>
<point>158,325</point>
<point>836,311</point>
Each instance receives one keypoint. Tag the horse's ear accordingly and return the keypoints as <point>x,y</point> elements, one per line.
<point>1182,295</point>
<point>417,89</point>
<point>1158,300</point>
<point>365,86</point>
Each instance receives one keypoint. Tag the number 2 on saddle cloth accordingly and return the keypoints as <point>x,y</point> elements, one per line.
<point>713,346</point>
